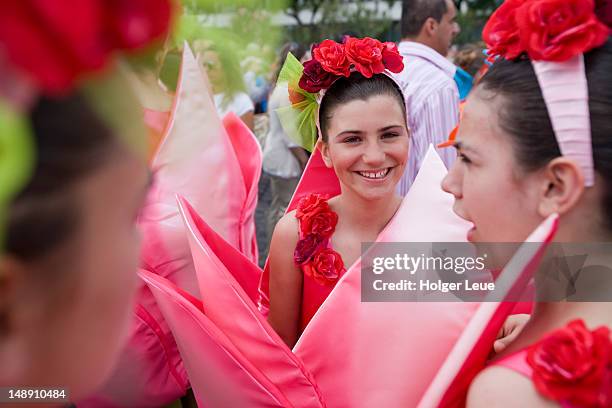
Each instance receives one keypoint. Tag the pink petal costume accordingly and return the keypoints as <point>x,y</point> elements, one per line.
<point>351,353</point>
<point>217,166</point>
<point>228,379</point>
<point>470,353</point>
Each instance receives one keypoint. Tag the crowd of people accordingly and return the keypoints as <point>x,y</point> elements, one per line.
<point>519,136</point>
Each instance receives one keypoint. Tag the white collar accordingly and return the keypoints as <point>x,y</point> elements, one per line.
<point>415,49</point>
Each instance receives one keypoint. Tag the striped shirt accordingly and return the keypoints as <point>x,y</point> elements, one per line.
<point>432,105</point>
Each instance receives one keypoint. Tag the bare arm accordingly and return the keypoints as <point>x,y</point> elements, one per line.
<point>499,387</point>
<point>285,281</point>
<point>300,155</point>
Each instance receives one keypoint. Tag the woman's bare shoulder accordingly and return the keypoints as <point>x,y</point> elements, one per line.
<point>500,387</point>
<point>287,227</point>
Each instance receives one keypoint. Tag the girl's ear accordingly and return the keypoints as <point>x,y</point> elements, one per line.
<point>564,185</point>
<point>324,153</point>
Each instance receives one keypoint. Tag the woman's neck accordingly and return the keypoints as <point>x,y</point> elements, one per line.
<point>369,216</point>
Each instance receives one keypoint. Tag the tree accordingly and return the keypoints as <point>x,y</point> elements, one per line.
<point>473,14</point>
<point>319,19</point>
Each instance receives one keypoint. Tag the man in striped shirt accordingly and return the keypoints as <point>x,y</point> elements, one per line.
<point>432,97</point>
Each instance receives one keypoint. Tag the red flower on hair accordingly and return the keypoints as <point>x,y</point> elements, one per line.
<point>56,43</point>
<point>366,55</point>
<point>332,58</point>
<point>557,30</point>
<point>325,268</point>
<point>549,30</point>
<point>574,365</point>
<point>391,57</point>
<point>501,33</point>
<point>314,78</point>
<point>135,23</point>
<point>603,10</point>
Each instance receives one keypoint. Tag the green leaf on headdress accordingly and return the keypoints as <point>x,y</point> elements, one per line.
<point>16,158</point>
<point>299,118</point>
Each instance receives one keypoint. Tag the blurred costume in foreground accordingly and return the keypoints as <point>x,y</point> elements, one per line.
<point>216,164</point>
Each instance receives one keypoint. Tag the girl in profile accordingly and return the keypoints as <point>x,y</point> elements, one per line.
<point>535,140</point>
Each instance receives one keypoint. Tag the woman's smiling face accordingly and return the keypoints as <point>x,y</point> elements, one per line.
<point>367,145</point>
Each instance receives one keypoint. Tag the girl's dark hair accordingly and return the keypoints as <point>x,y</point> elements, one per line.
<point>356,87</point>
<point>71,143</point>
<point>524,116</point>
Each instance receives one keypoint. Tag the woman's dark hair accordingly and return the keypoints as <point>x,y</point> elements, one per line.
<point>71,143</point>
<point>524,116</point>
<point>356,87</point>
<point>416,12</point>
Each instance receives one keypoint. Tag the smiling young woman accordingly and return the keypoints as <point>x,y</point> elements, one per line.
<point>364,138</point>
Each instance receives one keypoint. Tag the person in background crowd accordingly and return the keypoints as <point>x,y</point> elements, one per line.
<point>431,94</point>
<point>283,159</point>
<point>227,81</point>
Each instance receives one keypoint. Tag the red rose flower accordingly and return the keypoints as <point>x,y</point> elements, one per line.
<point>573,365</point>
<point>326,267</point>
<point>135,23</point>
<point>321,223</point>
<point>56,43</point>
<point>603,10</point>
<point>501,33</point>
<point>332,58</point>
<point>53,42</point>
<point>391,58</point>
<point>314,78</point>
<point>310,204</point>
<point>365,54</point>
<point>305,248</point>
<point>557,30</point>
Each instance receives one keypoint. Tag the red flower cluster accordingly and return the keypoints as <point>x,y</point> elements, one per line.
<point>55,42</point>
<point>331,60</point>
<point>574,365</point>
<point>317,224</point>
<point>549,30</point>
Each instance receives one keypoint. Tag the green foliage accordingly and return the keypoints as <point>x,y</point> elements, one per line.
<point>332,18</point>
<point>474,18</point>
<point>241,32</point>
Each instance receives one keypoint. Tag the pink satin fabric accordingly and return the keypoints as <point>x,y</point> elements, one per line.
<point>220,375</point>
<point>566,92</point>
<point>469,355</point>
<point>199,158</point>
<point>352,353</point>
<point>232,310</point>
<point>386,354</point>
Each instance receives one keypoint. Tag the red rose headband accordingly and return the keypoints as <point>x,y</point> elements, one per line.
<point>330,61</point>
<point>554,34</point>
<point>49,48</point>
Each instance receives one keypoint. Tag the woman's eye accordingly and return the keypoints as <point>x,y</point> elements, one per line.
<point>464,158</point>
<point>352,139</point>
<point>390,135</point>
